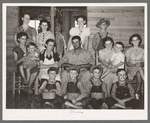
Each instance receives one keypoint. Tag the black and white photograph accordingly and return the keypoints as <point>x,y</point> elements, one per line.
<point>85,61</point>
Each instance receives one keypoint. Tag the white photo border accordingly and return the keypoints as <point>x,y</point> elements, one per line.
<point>70,114</point>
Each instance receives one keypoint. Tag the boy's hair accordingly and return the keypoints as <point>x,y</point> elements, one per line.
<point>50,40</point>
<point>20,34</point>
<point>96,67</point>
<point>45,21</point>
<point>52,69</point>
<point>119,70</point>
<point>120,43</point>
<point>76,37</point>
<point>71,68</point>
<point>108,39</point>
<point>31,44</point>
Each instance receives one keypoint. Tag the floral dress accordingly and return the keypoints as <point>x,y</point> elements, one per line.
<point>135,56</point>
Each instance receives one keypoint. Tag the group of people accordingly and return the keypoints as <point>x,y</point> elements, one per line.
<point>73,75</point>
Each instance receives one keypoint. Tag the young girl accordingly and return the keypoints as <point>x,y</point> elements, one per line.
<point>82,31</point>
<point>135,61</point>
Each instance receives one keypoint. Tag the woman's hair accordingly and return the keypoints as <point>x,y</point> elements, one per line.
<point>135,35</point>
<point>31,44</point>
<point>20,34</point>
<point>50,40</point>
<point>45,21</point>
<point>107,39</point>
<point>76,37</point>
<point>25,14</point>
<point>82,16</point>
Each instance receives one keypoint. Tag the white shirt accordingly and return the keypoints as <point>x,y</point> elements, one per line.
<point>117,58</point>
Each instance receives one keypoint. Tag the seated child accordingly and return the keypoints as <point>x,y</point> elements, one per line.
<point>75,96</point>
<point>51,85</point>
<point>30,61</point>
<point>122,95</point>
<point>96,88</point>
<point>117,59</point>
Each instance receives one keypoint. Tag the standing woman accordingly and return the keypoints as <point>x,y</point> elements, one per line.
<point>25,28</point>
<point>81,31</point>
<point>135,61</point>
<point>104,56</point>
<point>44,35</point>
<point>97,41</point>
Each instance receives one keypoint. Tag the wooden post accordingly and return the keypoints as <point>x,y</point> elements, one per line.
<point>66,25</point>
<point>52,19</point>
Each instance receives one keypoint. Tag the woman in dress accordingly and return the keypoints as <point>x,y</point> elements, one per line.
<point>82,31</point>
<point>19,52</point>
<point>44,35</point>
<point>104,56</point>
<point>25,28</point>
<point>48,58</point>
<point>135,61</point>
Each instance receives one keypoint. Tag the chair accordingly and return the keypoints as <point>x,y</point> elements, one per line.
<point>17,83</point>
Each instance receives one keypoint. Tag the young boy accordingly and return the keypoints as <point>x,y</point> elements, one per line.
<point>51,85</point>
<point>30,61</point>
<point>75,96</point>
<point>117,59</point>
<point>96,89</point>
<point>122,95</point>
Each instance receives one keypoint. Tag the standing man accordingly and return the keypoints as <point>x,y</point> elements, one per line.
<point>80,57</point>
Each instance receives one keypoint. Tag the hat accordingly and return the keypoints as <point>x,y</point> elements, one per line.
<point>74,67</point>
<point>96,67</point>
<point>102,21</point>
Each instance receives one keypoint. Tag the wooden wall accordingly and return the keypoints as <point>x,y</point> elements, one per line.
<point>12,21</point>
<point>125,21</point>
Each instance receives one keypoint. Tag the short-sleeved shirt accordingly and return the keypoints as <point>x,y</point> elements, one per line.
<point>114,88</point>
<point>20,53</point>
<point>30,31</point>
<point>117,58</point>
<point>84,57</point>
<point>135,55</point>
<point>105,54</point>
<point>42,37</point>
<point>76,31</point>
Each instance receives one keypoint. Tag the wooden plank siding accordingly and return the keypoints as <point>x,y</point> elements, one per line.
<point>125,21</point>
<point>12,21</point>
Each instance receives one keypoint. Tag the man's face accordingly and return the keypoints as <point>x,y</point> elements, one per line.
<point>76,43</point>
